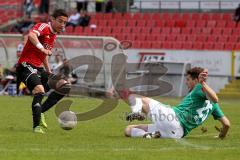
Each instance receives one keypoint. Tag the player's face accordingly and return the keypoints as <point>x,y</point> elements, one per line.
<point>59,23</point>
<point>191,82</point>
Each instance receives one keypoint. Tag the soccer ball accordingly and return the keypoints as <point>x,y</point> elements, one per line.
<point>67,120</point>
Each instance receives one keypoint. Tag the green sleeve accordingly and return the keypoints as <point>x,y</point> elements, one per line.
<point>217,112</point>
<point>199,91</point>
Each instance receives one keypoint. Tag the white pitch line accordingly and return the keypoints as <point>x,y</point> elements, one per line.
<point>184,142</point>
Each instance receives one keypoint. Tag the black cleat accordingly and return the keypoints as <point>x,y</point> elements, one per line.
<point>135,116</point>
<point>152,135</point>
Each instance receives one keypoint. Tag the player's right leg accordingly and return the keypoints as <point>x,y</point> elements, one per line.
<point>28,75</point>
<point>38,94</point>
<point>138,105</point>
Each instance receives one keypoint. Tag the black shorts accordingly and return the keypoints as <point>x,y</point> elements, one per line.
<point>32,76</point>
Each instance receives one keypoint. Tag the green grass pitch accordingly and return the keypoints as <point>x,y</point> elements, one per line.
<point>102,138</point>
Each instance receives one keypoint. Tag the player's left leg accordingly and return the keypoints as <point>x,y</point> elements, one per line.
<point>52,99</point>
<point>142,130</point>
<point>136,130</point>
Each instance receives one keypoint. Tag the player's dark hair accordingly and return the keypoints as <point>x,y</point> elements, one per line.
<point>194,72</point>
<point>59,12</point>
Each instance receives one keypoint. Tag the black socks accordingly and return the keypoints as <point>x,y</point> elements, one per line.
<point>52,99</point>
<point>36,108</point>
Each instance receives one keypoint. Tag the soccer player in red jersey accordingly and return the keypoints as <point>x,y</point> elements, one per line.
<point>33,67</point>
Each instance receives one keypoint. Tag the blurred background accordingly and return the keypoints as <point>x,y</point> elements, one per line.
<point>176,33</point>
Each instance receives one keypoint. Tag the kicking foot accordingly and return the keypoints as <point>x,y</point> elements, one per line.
<point>43,121</point>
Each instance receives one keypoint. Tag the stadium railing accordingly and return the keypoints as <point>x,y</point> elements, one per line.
<point>181,5</point>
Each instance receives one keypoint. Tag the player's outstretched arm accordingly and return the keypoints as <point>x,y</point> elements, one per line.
<point>225,127</point>
<point>211,94</point>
